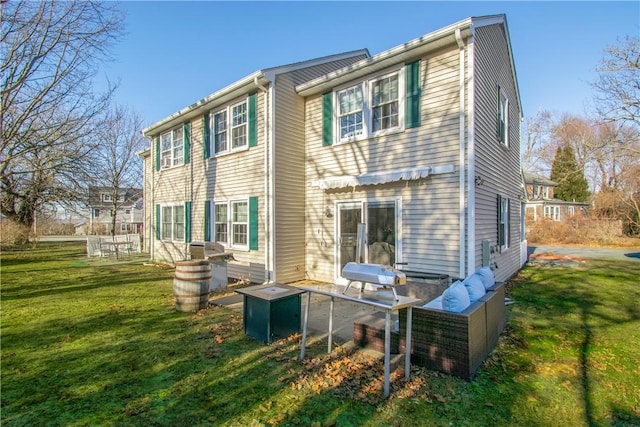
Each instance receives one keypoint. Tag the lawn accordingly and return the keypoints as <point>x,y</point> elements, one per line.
<point>92,343</point>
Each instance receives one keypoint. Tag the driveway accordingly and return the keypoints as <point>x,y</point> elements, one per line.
<point>586,252</point>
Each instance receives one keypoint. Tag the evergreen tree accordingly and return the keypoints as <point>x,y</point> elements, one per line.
<point>572,185</point>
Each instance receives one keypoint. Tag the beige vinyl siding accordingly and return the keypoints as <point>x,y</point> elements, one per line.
<point>222,177</point>
<point>288,171</point>
<point>498,166</point>
<point>429,207</point>
<point>238,175</point>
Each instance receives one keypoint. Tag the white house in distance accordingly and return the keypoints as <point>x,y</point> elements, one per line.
<point>129,215</point>
<point>420,142</point>
<point>541,202</point>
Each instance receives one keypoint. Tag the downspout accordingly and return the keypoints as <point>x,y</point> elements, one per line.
<point>472,155</point>
<point>461,158</point>
<point>267,183</point>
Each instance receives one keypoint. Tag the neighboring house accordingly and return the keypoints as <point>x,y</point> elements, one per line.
<point>129,215</point>
<point>541,202</point>
<point>420,142</point>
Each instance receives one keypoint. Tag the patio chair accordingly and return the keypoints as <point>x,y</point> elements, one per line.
<point>93,246</point>
<point>134,241</point>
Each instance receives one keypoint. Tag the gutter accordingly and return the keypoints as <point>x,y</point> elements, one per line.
<point>267,181</point>
<point>198,108</point>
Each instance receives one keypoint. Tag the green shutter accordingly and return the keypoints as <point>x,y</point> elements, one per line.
<point>187,142</point>
<point>207,220</point>
<point>157,222</point>
<point>187,222</point>
<point>414,92</point>
<point>253,140</point>
<point>157,153</point>
<point>327,119</point>
<point>206,136</point>
<point>253,223</point>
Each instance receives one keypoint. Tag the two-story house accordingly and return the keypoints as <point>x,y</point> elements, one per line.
<point>541,202</point>
<point>420,142</point>
<point>129,210</point>
<point>228,169</point>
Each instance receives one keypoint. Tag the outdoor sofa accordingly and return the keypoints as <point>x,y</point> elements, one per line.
<point>456,342</point>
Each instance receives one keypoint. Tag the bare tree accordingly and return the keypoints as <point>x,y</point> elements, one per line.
<point>618,84</point>
<point>50,53</point>
<point>116,164</point>
<point>536,153</point>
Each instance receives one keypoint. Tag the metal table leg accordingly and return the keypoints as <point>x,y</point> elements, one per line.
<point>304,326</point>
<point>330,338</point>
<point>387,350</point>
<point>407,355</point>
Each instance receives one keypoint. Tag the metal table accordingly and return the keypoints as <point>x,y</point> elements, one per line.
<point>117,246</point>
<point>369,298</point>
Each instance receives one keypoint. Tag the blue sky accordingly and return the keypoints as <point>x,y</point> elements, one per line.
<point>176,53</point>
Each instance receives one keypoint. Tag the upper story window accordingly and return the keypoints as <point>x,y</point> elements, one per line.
<point>503,118</point>
<point>172,148</point>
<point>230,128</point>
<point>370,107</point>
<point>106,198</point>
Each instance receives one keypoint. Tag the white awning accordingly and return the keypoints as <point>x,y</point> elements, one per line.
<point>375,178</point>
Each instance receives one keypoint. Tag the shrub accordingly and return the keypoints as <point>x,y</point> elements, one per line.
<point>13,233</point>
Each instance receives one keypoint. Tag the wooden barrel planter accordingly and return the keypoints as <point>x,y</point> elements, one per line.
<point>191,285</point>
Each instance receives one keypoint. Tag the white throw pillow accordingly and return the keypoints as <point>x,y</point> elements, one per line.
<point>455,298</point>
<point>486,274</point>
<point>475,287</point>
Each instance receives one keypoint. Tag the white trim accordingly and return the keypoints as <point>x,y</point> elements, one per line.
<point>461,159</point>
<point>375,178</point>
<point>363,204</point>
<point>173,221</point>
<point>471,250</point>
<point>229,204</point>
<point>367,105</point>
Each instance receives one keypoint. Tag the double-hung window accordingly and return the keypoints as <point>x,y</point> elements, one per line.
<point>230,128</point>
<point>172,148</point>
<point>552,212</point>
<point>503,118</point>
<point>371,107</point>
<point>235,223</point>
<point>221,223</point>
<point>384,103</point>
<point>172,222</point>
<point>239,223</point>
<point>350,112</point>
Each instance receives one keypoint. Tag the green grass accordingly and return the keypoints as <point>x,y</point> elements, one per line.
<point>89,343</point>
